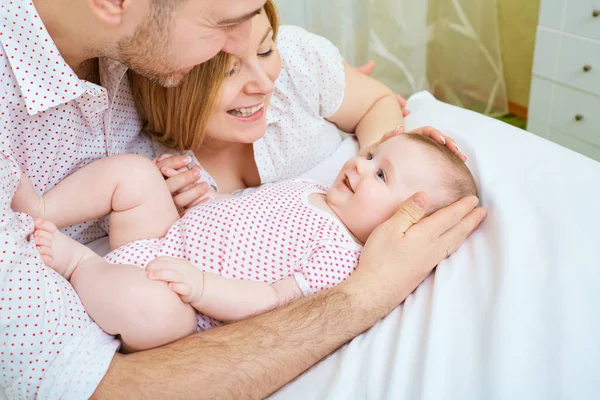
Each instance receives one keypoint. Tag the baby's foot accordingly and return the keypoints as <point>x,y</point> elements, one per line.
<point>58,251</point>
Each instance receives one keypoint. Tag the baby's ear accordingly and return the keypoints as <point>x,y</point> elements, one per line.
<point>398,131</point>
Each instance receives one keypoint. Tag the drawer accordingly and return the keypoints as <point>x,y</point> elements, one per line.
<point>576,113</point>
<point>545,58</point>
<point>579,18</point>
<point>579,63</point>
<point>574,144</point>
<point>552,13</point>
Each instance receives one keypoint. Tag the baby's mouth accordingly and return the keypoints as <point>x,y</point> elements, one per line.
<point>346,182</point>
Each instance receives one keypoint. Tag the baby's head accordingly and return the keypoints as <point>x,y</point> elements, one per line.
<point>369,188</point>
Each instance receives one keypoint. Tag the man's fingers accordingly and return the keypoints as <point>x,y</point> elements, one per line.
<point>174,162</point>
<point>446,218</point>
<point>410,212</point>
<point>456,235</point>
<point>187,198</point>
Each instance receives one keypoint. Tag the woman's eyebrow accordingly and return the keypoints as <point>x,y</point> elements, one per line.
<point>267,34</point>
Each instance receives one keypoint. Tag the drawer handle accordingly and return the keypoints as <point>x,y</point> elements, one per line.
<point>596,13</point>
<point>587,68</point>
<point>578,117</point>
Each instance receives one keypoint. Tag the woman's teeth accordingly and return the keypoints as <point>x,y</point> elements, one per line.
<point>246,112</point>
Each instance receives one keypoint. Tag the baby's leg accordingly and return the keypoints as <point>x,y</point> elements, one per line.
<point>120,298</point>
<point>128,186</point>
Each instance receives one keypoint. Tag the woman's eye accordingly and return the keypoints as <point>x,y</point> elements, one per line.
<point>266,53</point>
<point>369,156</point>
<point>233,70</point>
<point>381,175</point>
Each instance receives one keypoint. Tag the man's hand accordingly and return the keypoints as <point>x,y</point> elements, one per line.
<point>403,251</point>
<point>367,69</point>
<point>181,180</point>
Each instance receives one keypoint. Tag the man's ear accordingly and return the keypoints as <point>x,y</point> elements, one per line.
<point>109,12</point>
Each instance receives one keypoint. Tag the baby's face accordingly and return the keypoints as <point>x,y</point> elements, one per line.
<point>369,189</point>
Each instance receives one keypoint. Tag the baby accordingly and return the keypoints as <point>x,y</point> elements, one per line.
<point>238,256</point>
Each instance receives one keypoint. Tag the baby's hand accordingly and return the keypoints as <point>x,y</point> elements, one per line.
<point>183,278</point>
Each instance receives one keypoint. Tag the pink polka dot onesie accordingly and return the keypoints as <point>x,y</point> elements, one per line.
<point>267,235</point>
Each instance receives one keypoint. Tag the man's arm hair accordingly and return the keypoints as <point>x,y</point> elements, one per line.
<point>248,359</point>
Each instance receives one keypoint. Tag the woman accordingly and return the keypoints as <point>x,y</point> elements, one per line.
<point>258,122</point>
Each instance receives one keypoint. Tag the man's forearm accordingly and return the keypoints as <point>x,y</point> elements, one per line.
<point>248,359</point>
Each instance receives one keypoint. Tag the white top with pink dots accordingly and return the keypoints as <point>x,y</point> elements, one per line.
<point>264,236</point>
<point>52,123</point>
<point>49,346</point>
<point>309,89</point>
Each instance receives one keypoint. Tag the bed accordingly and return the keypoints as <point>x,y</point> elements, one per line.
<point>515,313</point>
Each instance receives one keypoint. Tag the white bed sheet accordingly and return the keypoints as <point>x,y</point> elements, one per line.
<point>515,313</point>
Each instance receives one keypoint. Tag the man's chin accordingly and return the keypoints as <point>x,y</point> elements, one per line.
<point>171,80</point>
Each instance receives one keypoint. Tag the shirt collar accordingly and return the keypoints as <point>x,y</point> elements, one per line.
<point>43,76</point>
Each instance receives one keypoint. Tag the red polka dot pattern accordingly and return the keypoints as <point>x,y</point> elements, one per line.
<point>264,236</point>
<point>51,123</point>
<point>49,347</point>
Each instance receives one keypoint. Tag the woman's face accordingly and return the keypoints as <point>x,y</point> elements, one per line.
<point>239,112</point>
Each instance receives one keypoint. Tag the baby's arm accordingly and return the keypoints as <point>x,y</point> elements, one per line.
<point>369,109</point>
<point>218,297</point>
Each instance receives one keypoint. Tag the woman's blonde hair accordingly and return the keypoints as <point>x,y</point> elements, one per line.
<point>177,117</point>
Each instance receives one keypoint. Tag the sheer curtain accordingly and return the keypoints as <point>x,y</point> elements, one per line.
<point>449,47</point>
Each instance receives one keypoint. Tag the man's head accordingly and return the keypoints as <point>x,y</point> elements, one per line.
<point>164,39</point>
<point>370,188</point>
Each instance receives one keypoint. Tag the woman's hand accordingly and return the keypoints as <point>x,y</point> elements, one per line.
<point>367,69</point>
<point>403,251</point>
<point>182,181</point>
<point>439,137</point>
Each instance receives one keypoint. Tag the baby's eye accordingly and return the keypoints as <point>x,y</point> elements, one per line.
<point>381,175</point>
<point>369,156</point>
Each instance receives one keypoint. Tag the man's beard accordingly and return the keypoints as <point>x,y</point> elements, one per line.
<point>147,52</point>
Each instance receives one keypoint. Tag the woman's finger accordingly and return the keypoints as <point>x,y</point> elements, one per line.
<point>446,218</point>
<point>181,180</point>
<point>174,162</point>
<point>187,198</point>
<point>169,172</point>
<point>455,236</point>
<point>162,157</point>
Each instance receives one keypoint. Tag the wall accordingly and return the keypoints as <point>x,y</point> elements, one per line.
<point>517,24</point>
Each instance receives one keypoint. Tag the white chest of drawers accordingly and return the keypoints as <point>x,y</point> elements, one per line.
<point>565,90</point>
